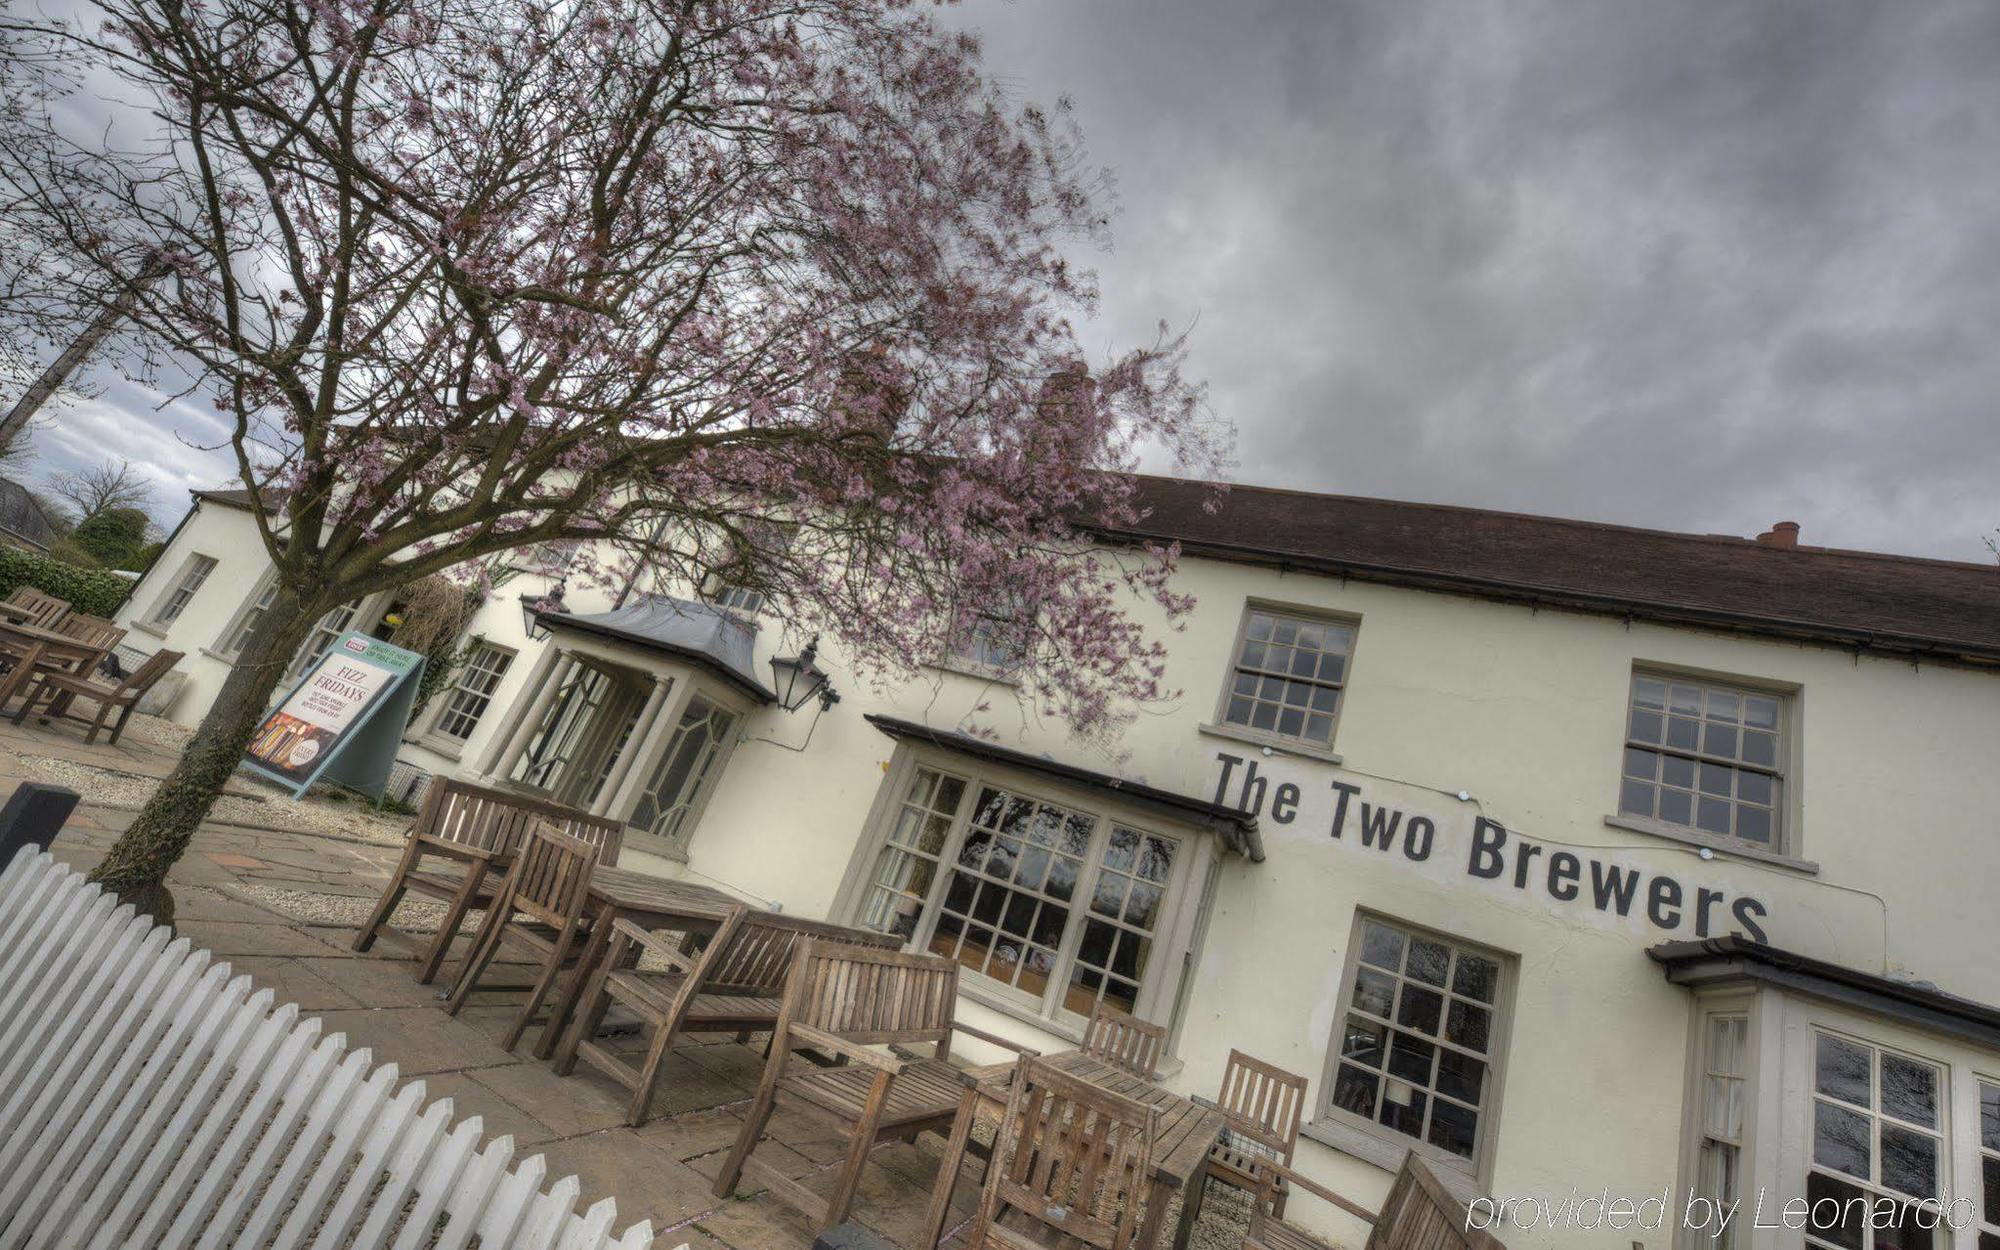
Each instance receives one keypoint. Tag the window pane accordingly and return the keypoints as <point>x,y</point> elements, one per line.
<point>1476,977</point>
<point>1454,1128</point>
<point>1381,946</point>
<point>1989,1118</point>
<point>1374,992</point>
<point>1840,1139</point>
<point>1364,1041</point>
<point>1354,1090</point>
<point>1909,1162</point>
<point>1428,961</point>
<point>1420,1008</point>
<point>1910,1090</point>
<point>1841,1070</point>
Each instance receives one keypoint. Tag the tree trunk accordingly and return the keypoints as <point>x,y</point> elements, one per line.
<point>136,868</point>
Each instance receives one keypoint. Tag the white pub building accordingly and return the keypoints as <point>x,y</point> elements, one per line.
<point>1615,871</point>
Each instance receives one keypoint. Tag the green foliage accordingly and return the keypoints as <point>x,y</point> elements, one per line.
<point>114,536</point>
<point>95,591</point>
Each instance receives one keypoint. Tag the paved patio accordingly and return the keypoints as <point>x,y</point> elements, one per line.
<point>282,905</point>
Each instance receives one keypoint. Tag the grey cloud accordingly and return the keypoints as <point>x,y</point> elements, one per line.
<point>1688,265</point>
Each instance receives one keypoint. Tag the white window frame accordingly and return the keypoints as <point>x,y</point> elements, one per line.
<point>972,650</point>
<point>259,601</point>
<point>188,581</point>
<point>1232,663</point>
<point>449,698</point>
<point>1166,961</point>
<point>1985,1148</point>
<point>1739,1005</point>
<point>704,780</point>
<point>1378,1143</point>
<point>1786,843</point>
<point>1877,1118</point>
<point>323,634</point>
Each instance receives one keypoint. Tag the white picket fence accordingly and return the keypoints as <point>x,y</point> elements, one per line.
<point>150,1097</point>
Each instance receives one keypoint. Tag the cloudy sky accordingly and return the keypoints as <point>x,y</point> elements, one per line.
<point>1697,266</point>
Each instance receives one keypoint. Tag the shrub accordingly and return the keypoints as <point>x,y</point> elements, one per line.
<point>96,591</point>
<point>114,536</point>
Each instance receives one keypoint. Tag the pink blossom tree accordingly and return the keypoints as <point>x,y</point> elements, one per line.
<point>666,277</point>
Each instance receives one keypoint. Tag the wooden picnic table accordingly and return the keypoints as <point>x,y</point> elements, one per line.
<point>646,900</point>
<point>1186,1130</point>
<point>39,648</point>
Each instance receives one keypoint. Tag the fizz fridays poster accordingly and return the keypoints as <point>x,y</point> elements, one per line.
<point>343,719</point>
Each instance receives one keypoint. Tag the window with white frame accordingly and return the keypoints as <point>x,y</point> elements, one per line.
<point>193,573</point>
<point>686,770</point>
<point>992,641</point>
<point>238,635</point>
<point>332,625</point>
<point>1060,907</point>
<point>739,599</point>
<point>1877,1144</point>
<point>1989,1165</point>
<point>472,692</point>
<point>1722,1096</point>
<point>1419,1040</point>
<point>559,739</point>
<point>1706,757</point>
<point>1288,675</point>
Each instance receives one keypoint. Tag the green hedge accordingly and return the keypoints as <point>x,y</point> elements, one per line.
<point>96,591</point>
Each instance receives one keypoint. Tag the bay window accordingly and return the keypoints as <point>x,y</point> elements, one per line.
<point>1047,904</point>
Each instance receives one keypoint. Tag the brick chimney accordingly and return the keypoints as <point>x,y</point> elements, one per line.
<point>1781,534</point>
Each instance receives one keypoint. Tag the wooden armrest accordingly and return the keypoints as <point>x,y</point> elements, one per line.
<point>994,1038</point>
<point>458,850</point>
<point>820,1039</point>
<point>669,951</point>
<point>1200,1101</point>
<point>1272,1167</point>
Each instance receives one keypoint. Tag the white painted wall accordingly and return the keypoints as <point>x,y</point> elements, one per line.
<point>1521,709</point>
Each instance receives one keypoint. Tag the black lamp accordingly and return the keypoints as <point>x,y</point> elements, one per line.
<point>797,679</point>
<point>532,607</point>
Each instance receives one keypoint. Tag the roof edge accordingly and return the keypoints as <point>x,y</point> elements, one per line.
<point>1707,960</point>
<point>1238,829</point>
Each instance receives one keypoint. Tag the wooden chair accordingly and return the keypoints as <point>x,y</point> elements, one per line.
<point>37,608</point>
<point>840,1001</point>
<point>1071,1164</point>
<point>61,689</point>
<point>1419,1214</point>
<point>735,984</point>
<point>1264,1105</point>
<point>91,631</point>
<point>540,906</point>
<point>461,842</point>
<point>1125,1041</point>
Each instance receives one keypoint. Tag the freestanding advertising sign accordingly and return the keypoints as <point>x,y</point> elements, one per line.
<point>342,721</point>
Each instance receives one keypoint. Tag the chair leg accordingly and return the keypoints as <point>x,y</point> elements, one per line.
<point>753,1125</point>
<point>124,714</point>
<point>380,916</point>
<point>857,1154</point>
<point>590,1011</point>
<point>454,920</point>
<point>550,971</point>
<point>1191,1210</point>
<point>491,934</point>
<point>649,1074</point>
<point>28,696</point>
<point>97,726</point>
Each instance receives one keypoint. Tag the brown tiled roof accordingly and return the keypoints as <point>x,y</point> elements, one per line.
<point>1853,598</point>
<point>1859,599</point>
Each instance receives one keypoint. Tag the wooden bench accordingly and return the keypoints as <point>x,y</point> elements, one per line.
<point>462,840</point>
<point>734,984</point>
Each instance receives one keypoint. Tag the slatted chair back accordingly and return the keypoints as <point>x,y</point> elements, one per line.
<point>1421,1214</point>
<point>1125,1041</point>
<point>497,820</point>
<point>1264,1105</point>
<point>91,631</point>
<point>40,609</point>
<point>752,958</point>
<point>550,879</point>
<point>1070,1161</point>
<point>150,670</point>
<point>871,995</point>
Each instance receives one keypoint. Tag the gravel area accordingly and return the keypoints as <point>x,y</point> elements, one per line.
<point>250,802</point>
<point>413,915</point>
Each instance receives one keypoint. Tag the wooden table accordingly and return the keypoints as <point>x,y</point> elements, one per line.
<point>1181,1144</point>
<point>39,648</point>
<point>655,902</point>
